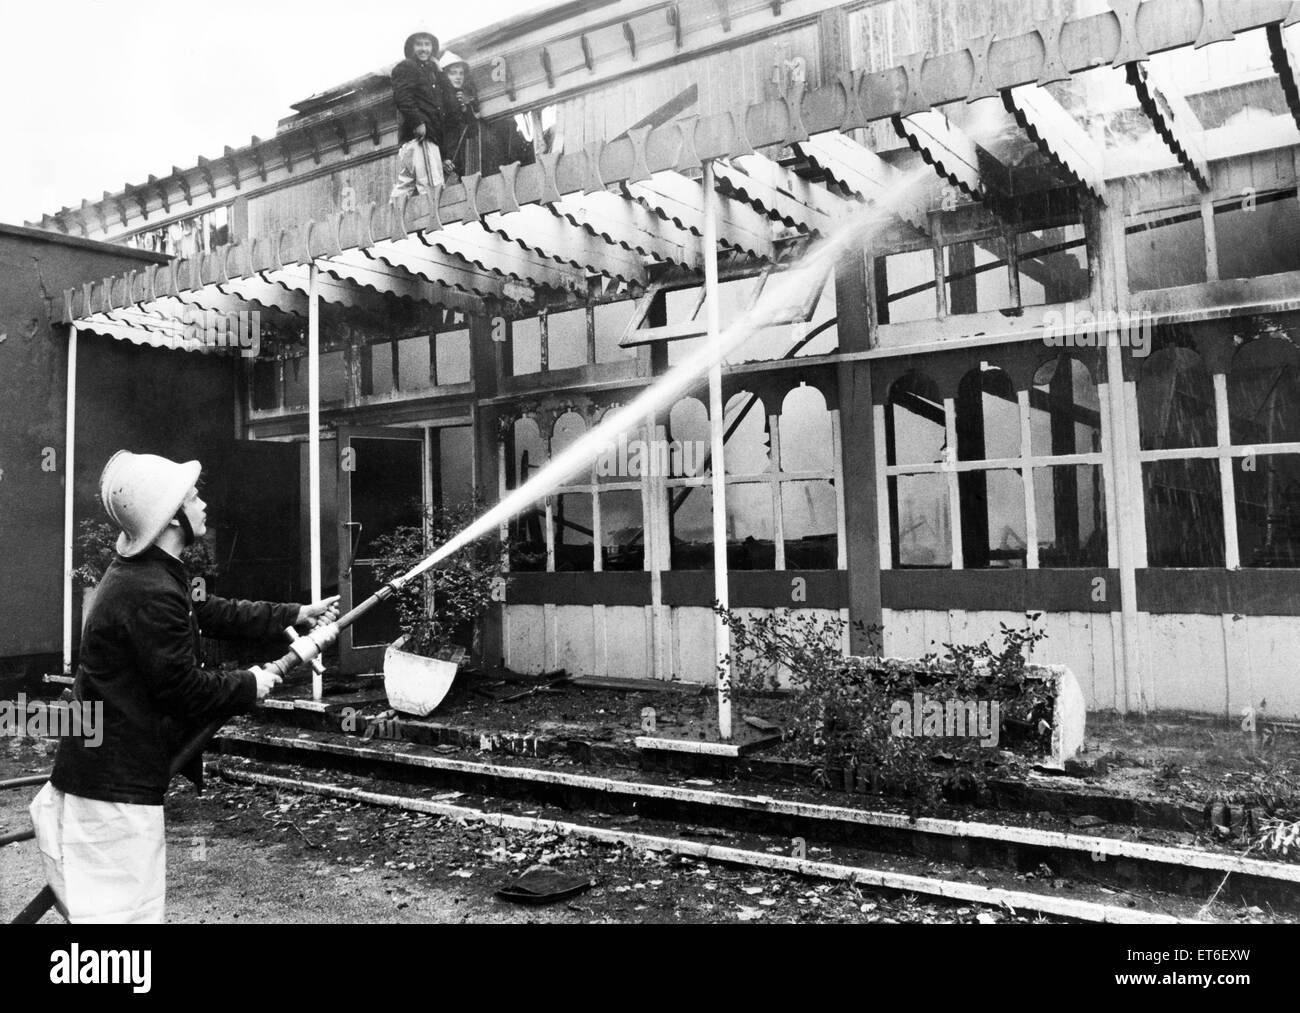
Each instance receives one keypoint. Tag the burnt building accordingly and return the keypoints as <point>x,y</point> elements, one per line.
<point>1059,377</point>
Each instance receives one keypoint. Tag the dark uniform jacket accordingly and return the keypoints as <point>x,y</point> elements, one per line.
<point>423,95</point>
<point>139,659</point>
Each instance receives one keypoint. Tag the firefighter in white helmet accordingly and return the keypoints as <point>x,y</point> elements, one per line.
<point>99,820</point>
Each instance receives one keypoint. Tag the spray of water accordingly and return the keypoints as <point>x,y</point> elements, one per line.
<point>791,288</point>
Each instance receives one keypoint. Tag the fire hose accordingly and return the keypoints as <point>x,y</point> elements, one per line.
<point>304,649</point>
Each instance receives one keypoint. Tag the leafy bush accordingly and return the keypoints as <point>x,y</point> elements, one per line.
<point>97,544</point>
<point>842,709</point>
<point>441,607</point>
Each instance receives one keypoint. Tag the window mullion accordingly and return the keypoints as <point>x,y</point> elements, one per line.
<point>954,488</point>
<point>778,513</point>
<point>837,470</point>
<point>883,494</point>
<point>597,553</point>
<point>1027,480</point>
<point>1227,480</point>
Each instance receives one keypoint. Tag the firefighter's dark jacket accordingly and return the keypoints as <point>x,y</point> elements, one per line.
<point>139,660</point>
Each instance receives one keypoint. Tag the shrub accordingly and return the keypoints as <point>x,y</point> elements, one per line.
<point>842,709</point>
<point>441,607</point>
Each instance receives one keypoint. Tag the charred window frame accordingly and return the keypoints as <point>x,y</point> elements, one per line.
<point>997,475</point>
<point>593,523</point>
<point>1220,445</point>
<point>569,338</point>
<point>187,237</point>
<point>784,499</point>
<point>672,315</point>
<point>1249,234</point>
<point>996,267</point>
<point>412,366</point>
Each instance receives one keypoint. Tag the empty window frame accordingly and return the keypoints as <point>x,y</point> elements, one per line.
<point>1215,438</point>
<point>592,523</point>
<point>419,363</point>
<point>1254,234</point>
<point>803,324</point>
<point>1165,249</point>
<point>570,339</point>
<point>783,509</point>
<point>987,273</point>
<point>995,499</point>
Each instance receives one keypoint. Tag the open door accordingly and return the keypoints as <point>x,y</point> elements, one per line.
<point>383,484</point>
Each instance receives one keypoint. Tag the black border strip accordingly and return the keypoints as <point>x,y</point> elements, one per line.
<point>1001,590</point>
<point>1219,592</point>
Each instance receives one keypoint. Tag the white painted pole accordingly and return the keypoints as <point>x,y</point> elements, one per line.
<point>69,445</point>
<point>721,639</point>
<point>313,446</point>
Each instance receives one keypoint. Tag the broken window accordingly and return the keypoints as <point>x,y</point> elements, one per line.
<point>762,486</point>
<point>383,372</point>
<point>988,416</point>
<point>452,357</point>
<point>745,430</point>
<point>1165,249</point>
<point>690,522</point>
<point>915,421</point>
<point>1267,492</point>
<point>807,436</point>
<point>574,534</point>
<point>266,385</point>
<point>1070,511</point>
<point>1175,401</point>
<point>975,273</point>
<point>622,530</point>
<point>1052,265</point>
<point>1184,502</point>
<point>1069,499</point>
<point>1264,408</point>
<point>1184,513</point>
<point>905,287</point>
<point>454,478</point>
<point>566,339</point>
<point>1064,409</point>
<point>414,363</point>
<point>333,380</point>
<point>526,346</point>
<point>201,233</point>
<point>821,335</point>
<point>688,428</point>
<point>810,523</point>
<point>610,320</point>
<point>572,512</point>
<point>1258,234</point>
<point>1264,391</point>
<point>992,505</point>
<point>920,530</point>
<point>690,497</point>
<point>810,310</point>
<point>750,529</point>
<point>526,453</point>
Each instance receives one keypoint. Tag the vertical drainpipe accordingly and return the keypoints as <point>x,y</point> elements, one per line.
<point>70,427</point>
<point>313,445</point>
<point>721,639</point>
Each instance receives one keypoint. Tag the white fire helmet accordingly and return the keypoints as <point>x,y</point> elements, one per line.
<point>142,493</point>
<point>450,59</point>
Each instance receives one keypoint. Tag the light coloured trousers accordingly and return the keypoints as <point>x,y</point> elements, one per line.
<point>419,168</point>
<point>105,861</point>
